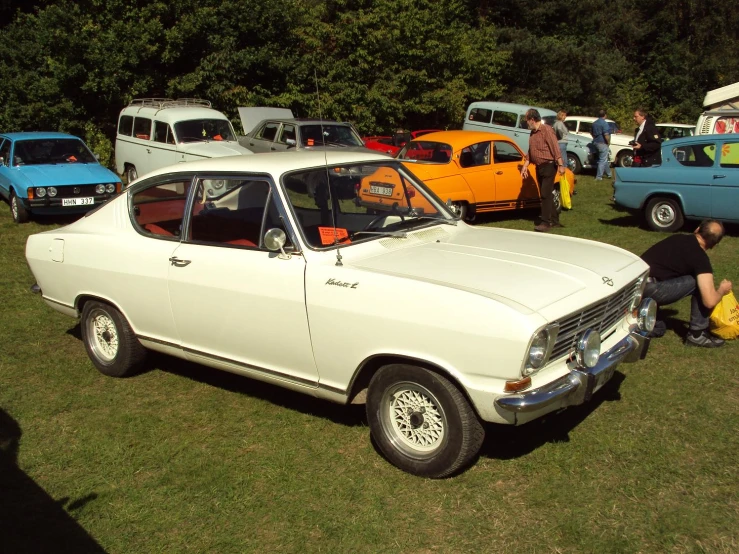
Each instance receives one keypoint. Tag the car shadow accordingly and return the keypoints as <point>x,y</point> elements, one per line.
<point>32,521</point>
<point>506,442</point>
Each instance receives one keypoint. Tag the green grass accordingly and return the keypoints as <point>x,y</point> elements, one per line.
<point>188,459</point>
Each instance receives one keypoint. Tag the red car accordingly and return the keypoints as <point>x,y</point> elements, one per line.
<point>392,145</point>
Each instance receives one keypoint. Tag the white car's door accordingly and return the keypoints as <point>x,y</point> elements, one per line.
<point>232,300</point>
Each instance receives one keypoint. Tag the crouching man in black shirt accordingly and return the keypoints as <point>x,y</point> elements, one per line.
<point>678,267</point>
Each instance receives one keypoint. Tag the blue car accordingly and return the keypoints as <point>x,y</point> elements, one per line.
<point>51,173</point>
<point>697,179</point>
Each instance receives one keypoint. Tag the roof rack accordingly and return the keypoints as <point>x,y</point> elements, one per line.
<point>161,103</point>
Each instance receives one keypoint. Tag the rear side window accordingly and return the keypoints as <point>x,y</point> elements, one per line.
<point>481,114</point>
<point>142,128</point>
<point>505,119</point>
<point>159,209</point>
<point>268,132</point>
<point>571,126</point>
<point>695,155</point>
<point>505,152</point>
<point>125,125</point>
<point>475,155</point>
<point>730,155</point>
<point>586,127</point>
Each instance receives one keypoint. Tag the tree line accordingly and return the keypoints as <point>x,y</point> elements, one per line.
<point>72,65</point>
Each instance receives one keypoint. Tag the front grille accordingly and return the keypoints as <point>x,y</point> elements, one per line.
<point>601,317</point>
<point>67,191</point>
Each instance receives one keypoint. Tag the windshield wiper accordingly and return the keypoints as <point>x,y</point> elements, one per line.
<point>434,218</point>
<point>399,234</point>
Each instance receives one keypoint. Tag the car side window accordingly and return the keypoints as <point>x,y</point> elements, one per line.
<point>586,127</point>
<point>5,152</point>
<point>730,155</point>
<point>480,114</point>
<point>268,132</point>
<point>475,155</point>
<point>695,155</point>
<point>505,152</point>
<point>506,119</point>
<point>163,133</point>
<point>288,133</point>
<point>232,212</point>
<point>159,210</point>
<point>125,125</point>
<point>571,126</point>
<point>142,128</point>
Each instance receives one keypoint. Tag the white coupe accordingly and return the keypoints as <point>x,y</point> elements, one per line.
<point>340,275</point>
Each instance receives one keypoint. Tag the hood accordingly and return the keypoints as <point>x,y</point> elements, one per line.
<point>525,270</point>
<point>55,175</point>
<point>214,149</point>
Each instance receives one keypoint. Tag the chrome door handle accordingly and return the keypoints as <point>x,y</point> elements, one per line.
<point>179,263</point>
<point>719,176</point>
<point>499,173</point>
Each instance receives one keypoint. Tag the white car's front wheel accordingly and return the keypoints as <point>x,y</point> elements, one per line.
<point>109,340</point>
<point>421,422</point>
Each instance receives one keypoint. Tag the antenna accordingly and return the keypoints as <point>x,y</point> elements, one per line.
<point>328,180</point>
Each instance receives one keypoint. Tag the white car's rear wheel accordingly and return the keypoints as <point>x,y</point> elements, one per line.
<point>421,422</point>
<point>109,340</point>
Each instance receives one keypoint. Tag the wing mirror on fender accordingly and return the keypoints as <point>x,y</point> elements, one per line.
<point>274,240</point>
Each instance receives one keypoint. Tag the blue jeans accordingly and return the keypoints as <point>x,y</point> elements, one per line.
<point>563,151</point>
<point>672,290</point>
<point>603,165</point>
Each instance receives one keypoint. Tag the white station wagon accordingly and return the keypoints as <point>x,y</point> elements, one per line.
<point>340,275</point>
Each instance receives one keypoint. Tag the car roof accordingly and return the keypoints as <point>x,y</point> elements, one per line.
<point>492,105</point>
<point>460,139</point>
<point>306,121</point>
<point>275,163</point>
<point>698,138</point>
<point>38,135</point>
<point>685,125</point>
<point>173,115</point>
<point>586,118</point>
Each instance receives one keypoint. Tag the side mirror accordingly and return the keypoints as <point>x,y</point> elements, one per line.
<point>290,142</point>
<point>275,240</point>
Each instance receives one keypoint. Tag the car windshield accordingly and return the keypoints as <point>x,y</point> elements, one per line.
<point>51,151</point>
<point>426,151</point>
<point>196,130</point>
<point>340,205</point>
<point>329,135</point>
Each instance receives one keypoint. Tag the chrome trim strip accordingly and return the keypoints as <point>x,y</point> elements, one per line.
<point>70,306</point>
<point>256,369</point>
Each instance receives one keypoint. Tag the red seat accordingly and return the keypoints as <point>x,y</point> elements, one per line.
<point>157,230</point>
<point>241,242</point>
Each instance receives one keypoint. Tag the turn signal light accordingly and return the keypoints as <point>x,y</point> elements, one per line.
<point>515,386</point>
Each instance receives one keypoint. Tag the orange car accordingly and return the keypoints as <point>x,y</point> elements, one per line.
<point>477,171</point>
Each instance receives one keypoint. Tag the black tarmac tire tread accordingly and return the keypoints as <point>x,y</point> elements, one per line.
<point>131,354</point>
<point>679,218</point>
<point>465,431</point>
<point>23,215</point>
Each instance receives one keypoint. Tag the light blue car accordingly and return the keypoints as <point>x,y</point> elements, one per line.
<point>697,179</point>
<point>52,173</point>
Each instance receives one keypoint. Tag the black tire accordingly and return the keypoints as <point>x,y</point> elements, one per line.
<point>625,158</point>
<point>573,162</point>
<point>460,208</point>
<point>131,174</point>
<point>19,213</point>
<point>421,422</point>
<point>557,197</point>
<point>109,340</point>
<point>664,214</point>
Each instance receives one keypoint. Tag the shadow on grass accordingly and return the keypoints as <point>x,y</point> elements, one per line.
<point>350,415</point>
<point>504,442</point>
<point>531,214</point>
<point>32,521</point>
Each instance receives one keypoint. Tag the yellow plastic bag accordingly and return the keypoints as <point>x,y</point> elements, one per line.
<point>725,318</point>
<point>564,192</point>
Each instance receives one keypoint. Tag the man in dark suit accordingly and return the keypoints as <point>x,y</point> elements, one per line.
<point>648,143</point>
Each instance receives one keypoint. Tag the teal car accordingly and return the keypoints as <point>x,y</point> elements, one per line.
<point>697,179</point>
<point>52,173</point>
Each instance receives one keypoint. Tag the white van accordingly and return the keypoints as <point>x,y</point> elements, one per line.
<point>722,111</point>
<point>157,132</point>
<point>509,120</point>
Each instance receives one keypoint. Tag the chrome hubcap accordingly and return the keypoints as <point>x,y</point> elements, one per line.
<point>414,420</point>
<point>103,336</point>
<point>664,214</point>
<point>14,207</point>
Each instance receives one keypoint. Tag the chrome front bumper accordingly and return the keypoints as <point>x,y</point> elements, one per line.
<point>578,385</point>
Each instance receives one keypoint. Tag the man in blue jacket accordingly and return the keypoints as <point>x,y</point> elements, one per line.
<point>602,140</point>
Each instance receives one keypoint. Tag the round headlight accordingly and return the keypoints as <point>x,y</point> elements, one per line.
<point>109,188</point>
<point>51,191</point>
<point>40,192</point>
<point>647,315</point>
<point>537,352</point>
<point>100,189</point>
<point>588,349</point>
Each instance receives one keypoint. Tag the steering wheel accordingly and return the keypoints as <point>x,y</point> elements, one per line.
<point>377,219</point>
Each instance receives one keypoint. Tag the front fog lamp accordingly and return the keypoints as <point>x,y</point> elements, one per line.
<point>110,188</point>
<point>99,189</point>
<point>588,349</point>
<point>647,315</point>
<point>40,192</point>
<point>537,352</point>
<point>51,191</point>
